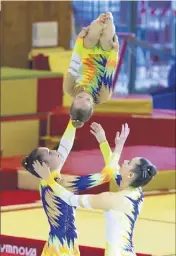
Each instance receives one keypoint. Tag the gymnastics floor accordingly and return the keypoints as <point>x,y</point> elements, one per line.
<point>154,233</point>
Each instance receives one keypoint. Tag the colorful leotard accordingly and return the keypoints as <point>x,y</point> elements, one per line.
<point>93,71</point>
<point>62,239</point>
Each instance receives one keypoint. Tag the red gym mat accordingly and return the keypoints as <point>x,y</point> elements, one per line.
<point>15,197</point>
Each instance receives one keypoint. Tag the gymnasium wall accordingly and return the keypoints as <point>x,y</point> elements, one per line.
<point>16,27</point>
<point>24,95</point>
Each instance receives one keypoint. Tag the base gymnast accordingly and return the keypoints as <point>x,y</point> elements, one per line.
<point>62,239</point>
<point>121,208</point>
<point>90,74</point>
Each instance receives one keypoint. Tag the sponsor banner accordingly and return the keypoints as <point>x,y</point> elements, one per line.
<point>17,246</point>
<point>10,246</point>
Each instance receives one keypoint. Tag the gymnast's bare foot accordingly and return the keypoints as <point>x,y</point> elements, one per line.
<point>108,16</point>
<point>106,39</point>
<point>101,19</point>
<point>95,30</point>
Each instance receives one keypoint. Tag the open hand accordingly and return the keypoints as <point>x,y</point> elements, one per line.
<point>121,137</point>
<point>42,170</point>
<point>98,131</point>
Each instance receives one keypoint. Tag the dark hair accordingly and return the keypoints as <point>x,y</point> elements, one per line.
<point>29,160</point>
<point>79,116</point>
<point>144,172</point>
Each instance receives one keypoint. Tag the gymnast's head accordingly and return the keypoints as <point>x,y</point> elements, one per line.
<point>81,109</point>
<point>43,155</point>
<point>138,172</point>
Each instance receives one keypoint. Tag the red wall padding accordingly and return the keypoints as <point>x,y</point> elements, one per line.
<point>8,179</point>
<point>50,93</point>
<point>144,131</point>
<point>18,196</point>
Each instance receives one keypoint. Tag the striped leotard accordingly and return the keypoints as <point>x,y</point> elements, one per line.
<point>93,70</point>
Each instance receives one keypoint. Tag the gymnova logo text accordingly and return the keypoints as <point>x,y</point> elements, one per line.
<point>18,250</point>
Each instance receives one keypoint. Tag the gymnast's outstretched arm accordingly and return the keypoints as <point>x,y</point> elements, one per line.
<point>78,183</point>
<point>66,144</point>
<point>81,183</point>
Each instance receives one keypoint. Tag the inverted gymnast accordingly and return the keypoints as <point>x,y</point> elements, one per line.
<point>63,234</point>
<point>89,78</point>
<point>121,208</point>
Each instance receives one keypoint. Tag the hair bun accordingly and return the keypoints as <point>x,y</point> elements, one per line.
<point>77,123</point>
<point>25,162</point>
<point>151,169</point>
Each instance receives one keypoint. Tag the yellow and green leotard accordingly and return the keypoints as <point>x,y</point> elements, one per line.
<point>92,71</point>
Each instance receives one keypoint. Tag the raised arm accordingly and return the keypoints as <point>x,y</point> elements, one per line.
<point>99,133</point>
<point>66,143</point>
<point>106,151</point>
<point>80,183</point>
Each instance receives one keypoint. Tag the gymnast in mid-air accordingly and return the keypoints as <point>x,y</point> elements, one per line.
<point>89,79</point>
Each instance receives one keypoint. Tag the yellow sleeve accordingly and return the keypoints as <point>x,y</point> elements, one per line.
<point>69,133</point>
<point>106,151</point>
<point>107,155</point>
